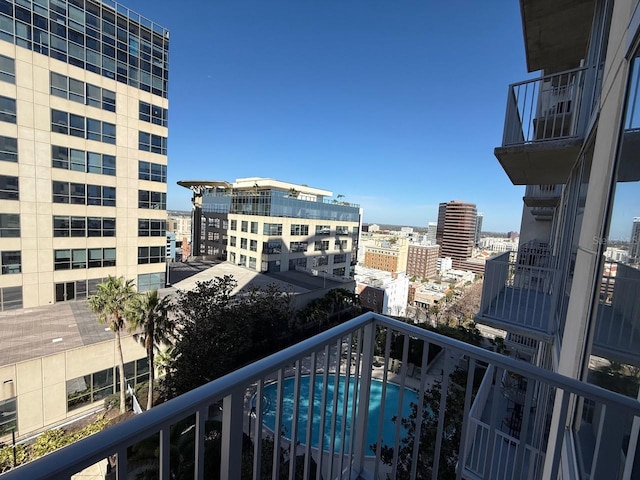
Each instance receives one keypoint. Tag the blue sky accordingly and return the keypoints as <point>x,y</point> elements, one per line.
<point>396,105</point>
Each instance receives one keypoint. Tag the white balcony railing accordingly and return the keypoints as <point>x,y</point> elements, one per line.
<point>517,291</point>
<point>617,335</point>
<point>225,429</point>
<point>546,108</point>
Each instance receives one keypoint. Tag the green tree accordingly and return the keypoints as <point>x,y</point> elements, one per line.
<point>112,305</point>
<point>154,327</point>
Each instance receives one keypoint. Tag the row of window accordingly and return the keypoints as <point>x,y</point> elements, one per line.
<point>81,194</point>
<point>97,40</point>
<point>154,114</point>
<point>81,161</point>
<point>148,142</point>
<point>151,255</point>
<point>8,416</point>
<point>296,229</point>
<point>152,171</point>
<point>69,259</point>
<point>152,200</point>
<point>64,226</point>
<point>151,227</point>
<point>79,126</point>
<point>91,388</point>
<point>81,92</point>
<point>275,246</point>
<point>77,290</point>
<point>11,262</point>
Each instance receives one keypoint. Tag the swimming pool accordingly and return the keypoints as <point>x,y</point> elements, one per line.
<point>390,410</point>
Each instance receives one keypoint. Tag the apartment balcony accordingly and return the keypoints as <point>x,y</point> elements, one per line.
<point>617,335</point>
<point>544,127</point>
<point>542,195</point>
<point>517,292</point>
<point>225,429</point>
<point>543,214</point>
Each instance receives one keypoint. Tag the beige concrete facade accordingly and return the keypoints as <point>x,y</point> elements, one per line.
<point>34,170</point>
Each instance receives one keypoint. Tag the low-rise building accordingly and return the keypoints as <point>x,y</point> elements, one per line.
<point>382,292</point>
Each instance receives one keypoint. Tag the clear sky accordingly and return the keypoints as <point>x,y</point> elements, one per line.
<point>397,105</point>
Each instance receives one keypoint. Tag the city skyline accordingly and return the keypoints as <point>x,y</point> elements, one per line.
<point>396,107</point>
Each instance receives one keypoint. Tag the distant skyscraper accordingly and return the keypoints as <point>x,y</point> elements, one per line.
<point>431,233</point>
<point>634,247</point>
<point>479,219</point>
<point>456,230</point>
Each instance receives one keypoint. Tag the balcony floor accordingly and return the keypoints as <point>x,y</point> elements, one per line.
<point>519,310</point>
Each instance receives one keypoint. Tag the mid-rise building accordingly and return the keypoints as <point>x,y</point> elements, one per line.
<point>422,261</point>
<point>432,227</point>
<point>268,225</point>
<point>382,292</point>
<point>456,230</point>
<point>389,256</point>
<point>83,173</point>
<point>84,125</point>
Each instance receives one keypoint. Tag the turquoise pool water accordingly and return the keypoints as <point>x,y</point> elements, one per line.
<point>388,427</point>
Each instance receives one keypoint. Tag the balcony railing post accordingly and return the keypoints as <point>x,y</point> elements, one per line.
<point>361,418</point>
<point>232,417</point>
<point>606,455</point>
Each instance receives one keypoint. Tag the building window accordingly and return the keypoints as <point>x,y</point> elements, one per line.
<point>154,114</point>
<point>297,262</point>
<point>339,272</point>
<point>252,263</point>
<point>232,241</point>
<point>152,200</point>
<point>7,72</point>
<point>8,149</point>
<point>342,230</point>
<point>79,126</point>
<point>81,194</point>
<point>340,258</point>
<point>148,142</point>
<point>323,229</point>
<point>64,226</point>
<point>7,110</point>
<point>253,245</point>
<point>9,225</point>
<point>81,161</point>
<point>254,227</point>
<point>148,227</point>
<point>243,261</point>
<point>272,229</point>
<point>8,188</point>
<point>77,91</point>
<point>234,225</point>
<point>8,416</point>
<point>11,262</point>
<point>152,171</point>
<point>299,229</point>
<point>272,246</point>
<point>10,298</point>
<point>244,226</point>
<point>150,281</point>
<point>321,245</point>
<point>243,243</point>
<point>151,255</point>
<point>67,259</point>
<point>295,247</point>
<point>340,244</point>
<point>320,261</point>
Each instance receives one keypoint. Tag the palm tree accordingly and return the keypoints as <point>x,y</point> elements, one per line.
<point>154,327</point>
<point>111,304</point>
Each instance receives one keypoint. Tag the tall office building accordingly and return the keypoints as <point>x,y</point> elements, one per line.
<point>83,133</point>
<point>431,233</point>
<point>272,226</point>
<point>634,244</point>
<point>456,230</point>
<point>479,219</point>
